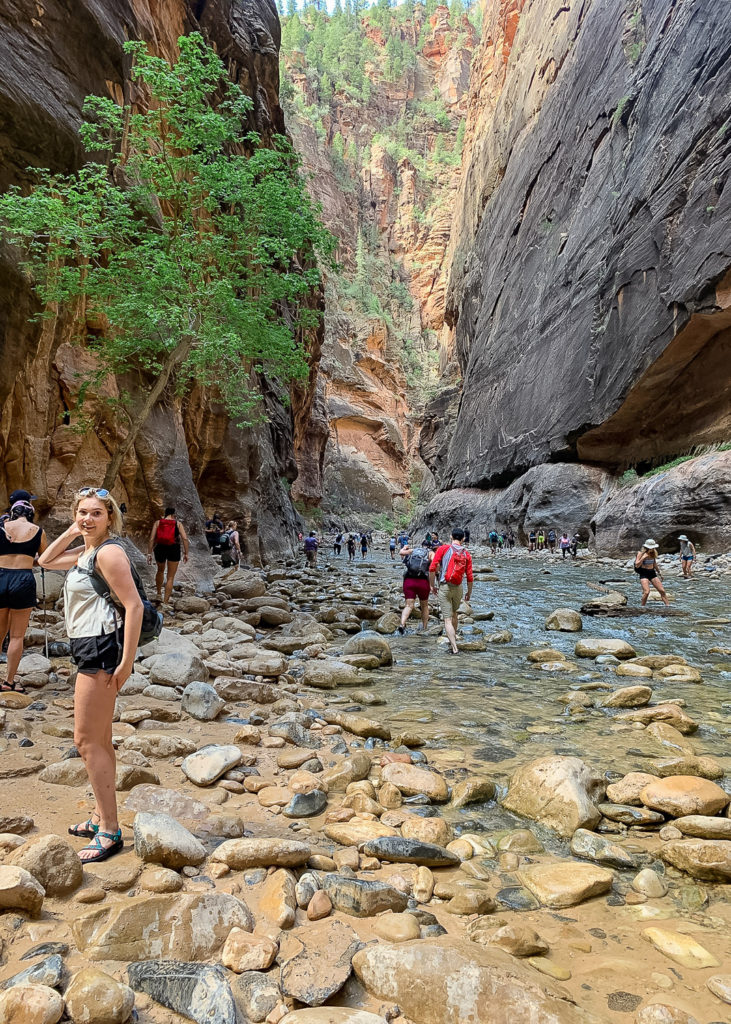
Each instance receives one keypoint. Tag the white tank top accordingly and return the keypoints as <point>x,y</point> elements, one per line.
<point>87,614</point>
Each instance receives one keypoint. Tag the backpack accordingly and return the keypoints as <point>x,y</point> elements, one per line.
<point>456,566</point>
<point>418,563</point>
<point>167,532</point>
<point>311,544</point>
<point>493,536</point>
<point>224,542</point>
<point>151,618</point>
<point>552,535</point>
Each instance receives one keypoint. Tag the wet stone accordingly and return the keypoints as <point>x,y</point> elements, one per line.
<point>48,972</point>
<point>517,898</point>
<point>590,846</point>
<point>198,991</point>
<point>255,995</point>
<point>628,815</point>
<point>320,962</point>
<point>361,898</point>
<point>306,805</point>
<point>409,851</point>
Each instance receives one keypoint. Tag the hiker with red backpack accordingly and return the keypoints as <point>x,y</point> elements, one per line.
<point>416,583</point>
<point>165,539</point>
<point>453,562</point>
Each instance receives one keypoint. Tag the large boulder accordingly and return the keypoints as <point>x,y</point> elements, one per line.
<point>187,926</point>
<point>439,980</point>
<point>561,792</point>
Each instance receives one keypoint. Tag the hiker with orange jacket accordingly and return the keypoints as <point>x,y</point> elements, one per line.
<point>453,562</point>
<point>165,539</point>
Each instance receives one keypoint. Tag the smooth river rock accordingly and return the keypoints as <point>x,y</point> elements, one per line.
<point>52,861</point>
<point>19,890</point>
<point>592,648</point>
<point>31,1004</point>
<point>241,854</point>
<point>682,795</point>
<point>94,997</point>
<point>412,780</point>
<point>209,763</point>
<point>409,851</point>
<point>565,883</point>
<point>438,980</point>
<point>561,792</point>
<point>317,961</point>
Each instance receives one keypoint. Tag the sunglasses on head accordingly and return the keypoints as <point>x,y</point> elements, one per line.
<point>100,492</point>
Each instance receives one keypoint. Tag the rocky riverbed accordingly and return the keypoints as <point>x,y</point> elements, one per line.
<point>326,822</point>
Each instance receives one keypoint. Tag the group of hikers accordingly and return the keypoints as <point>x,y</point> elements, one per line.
<point>348,540</point>
<point>223,540</point>
<point>108,616</point>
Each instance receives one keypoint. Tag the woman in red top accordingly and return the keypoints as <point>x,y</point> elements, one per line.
<point>165,538</point>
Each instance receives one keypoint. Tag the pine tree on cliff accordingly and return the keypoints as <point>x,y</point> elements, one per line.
<point>192,245</point>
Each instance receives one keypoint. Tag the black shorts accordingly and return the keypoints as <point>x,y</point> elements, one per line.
<point>93,654</point>
<point>17,589</point>
<point>647,574</point>
<point>166,553</point>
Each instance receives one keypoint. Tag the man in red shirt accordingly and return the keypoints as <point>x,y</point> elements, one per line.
<point>454,564</point>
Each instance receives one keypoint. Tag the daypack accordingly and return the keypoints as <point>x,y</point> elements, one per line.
<point>493,536</point>
<point>418,562</point>
<point>151,618</point>
<point>456,566</point>
<point>225,541</point>
<point>167,532</point>
<point>311,544</point>
<point>552,535</point>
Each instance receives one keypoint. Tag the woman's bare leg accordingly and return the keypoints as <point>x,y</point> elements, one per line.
<point>660,589</point>
<point>172,569</point>
<point>645,584</point>
<point>18,624</point>
<point>159,579</point>
<point>424,609</point>
<point>406,613</point>
<point>93,711</point>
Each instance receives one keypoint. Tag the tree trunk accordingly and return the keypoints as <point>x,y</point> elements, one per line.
<point>137,421</point>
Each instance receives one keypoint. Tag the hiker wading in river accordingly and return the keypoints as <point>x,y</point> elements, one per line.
<point>95,629</point>
<point>648,570</point>
<point>453,562</point>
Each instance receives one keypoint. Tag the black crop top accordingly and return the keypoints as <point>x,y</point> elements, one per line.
<point>29,547</point>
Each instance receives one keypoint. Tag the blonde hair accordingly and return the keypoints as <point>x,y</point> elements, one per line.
<point>116,523</point>
<point>232,525</point>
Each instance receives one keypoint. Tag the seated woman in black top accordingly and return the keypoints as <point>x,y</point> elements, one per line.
<point>20,543</point>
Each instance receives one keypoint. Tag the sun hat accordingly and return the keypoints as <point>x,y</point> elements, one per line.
<point>682,537</point>
<point>651,543</point>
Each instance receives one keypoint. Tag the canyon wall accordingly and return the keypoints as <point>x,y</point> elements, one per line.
<point>590,277</point>
<point>384,161</point>
<point>190,454</point>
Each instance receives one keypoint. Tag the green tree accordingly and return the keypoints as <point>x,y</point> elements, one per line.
<point>291,8</point>
<point>193,242</point>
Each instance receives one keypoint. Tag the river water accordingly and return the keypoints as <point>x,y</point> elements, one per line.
<point>493,711</point>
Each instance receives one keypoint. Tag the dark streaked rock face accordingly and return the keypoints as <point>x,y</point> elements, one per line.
<point>410,851</point>
<point>590,278</point>
<point>198,991</point>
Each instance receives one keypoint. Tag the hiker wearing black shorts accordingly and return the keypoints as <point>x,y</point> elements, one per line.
<point>648,570</point>
<point>20,543</point>
<point>166,537</point>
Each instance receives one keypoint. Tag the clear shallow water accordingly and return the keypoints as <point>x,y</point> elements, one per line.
<point>501,712</point>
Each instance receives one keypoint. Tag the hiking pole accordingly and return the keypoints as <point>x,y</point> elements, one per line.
<point>45,623</point>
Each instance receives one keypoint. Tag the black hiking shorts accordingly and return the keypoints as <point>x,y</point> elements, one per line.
<point>17,589</point>
<point>92,654</point>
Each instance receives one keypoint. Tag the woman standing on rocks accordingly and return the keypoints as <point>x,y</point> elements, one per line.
<point>94,628</point>
<point>648,570</point>
<point>20,541</point>
<point>416,583</point>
